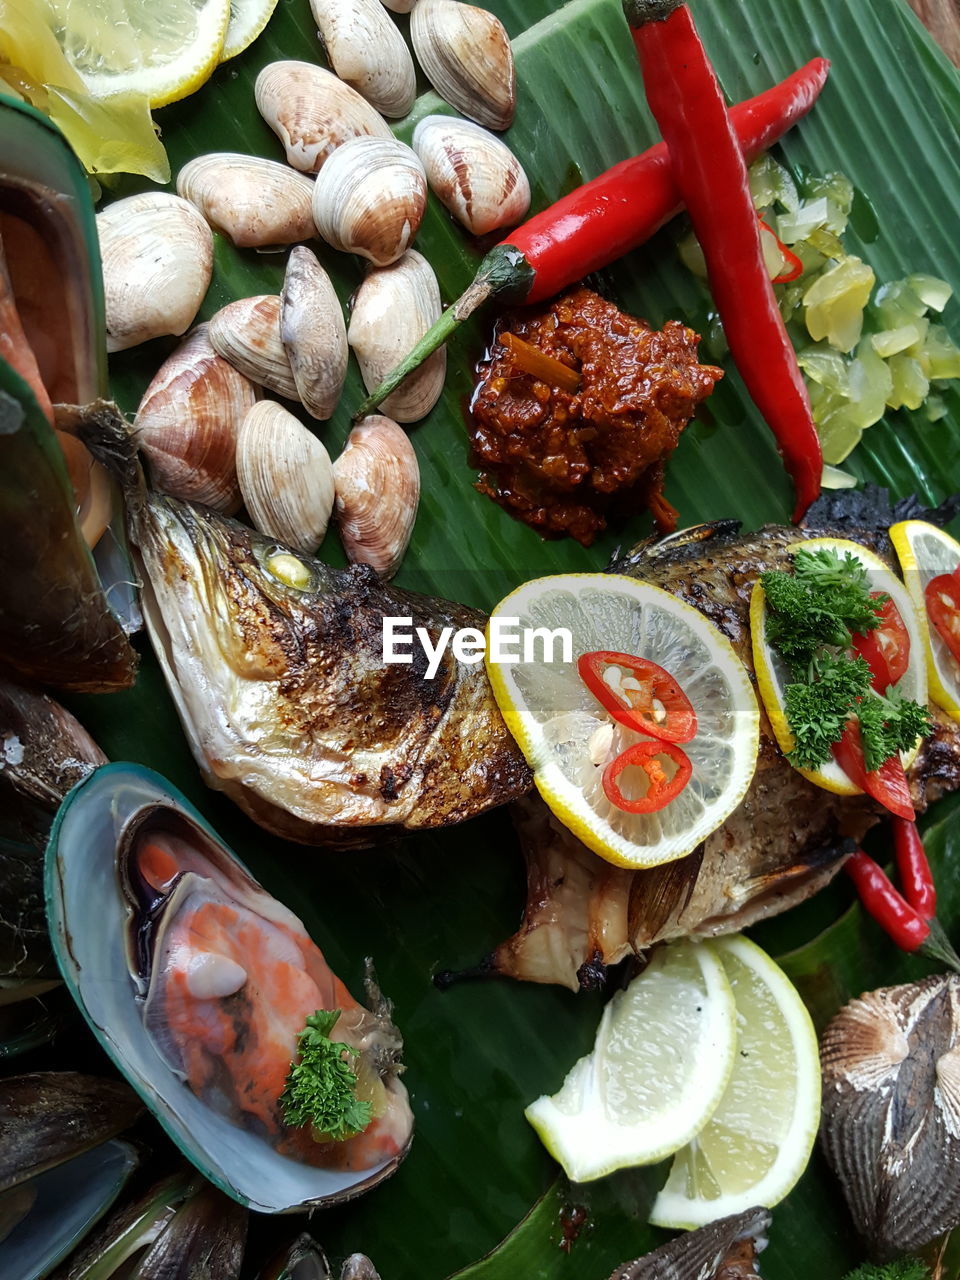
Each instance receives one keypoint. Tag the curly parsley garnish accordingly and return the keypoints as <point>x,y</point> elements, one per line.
<point>904,1269</point>
<point>321,1086</point>
<point>813,615</point>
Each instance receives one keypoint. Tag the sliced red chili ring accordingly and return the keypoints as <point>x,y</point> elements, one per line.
<point>792,266</point>
<point>943,606</point>
<point>661,790</point>
<point>888,784</point>
<point>673,721</point>
<point>886,649</point>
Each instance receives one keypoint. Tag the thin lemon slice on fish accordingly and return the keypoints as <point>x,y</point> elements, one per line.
<point>164,49</point>
<point>662,1059</point>
<point>568,737</point>
<point>773,676</point>
<point>925,552</point>
<point>758,1141</point>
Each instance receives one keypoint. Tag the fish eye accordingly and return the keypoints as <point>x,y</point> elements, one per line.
<point>289,569</point>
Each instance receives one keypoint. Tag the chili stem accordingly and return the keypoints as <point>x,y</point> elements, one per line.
<point>532,360</point>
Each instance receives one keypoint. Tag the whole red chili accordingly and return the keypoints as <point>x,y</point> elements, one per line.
<point>709,169</point>
<point>880,899</point>
<point>913,868</point>
<point>903,922</point>
<point>661,789</point>
<point>677,720</point>
<point>602,220</point>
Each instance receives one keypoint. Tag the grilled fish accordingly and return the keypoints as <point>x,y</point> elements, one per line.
<point>785,841</point>
<point>285,698</point>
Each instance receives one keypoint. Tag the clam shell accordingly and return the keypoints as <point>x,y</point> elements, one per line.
<point>188,420</point>
<point>475,175</point>
<point>891,1112</point>
<point>247,334</point>
<point>285,477</point>
<point>377,481</point>
<point>255,202</point>
<point>312,112</point>
<point>368,53</point>
<point>466,55</point>
<point>313,333</point>
<point>81,867</point>
<point>369,198</point>
<point>157,257</point>
<point>398,6</point>
<point>392,310</point>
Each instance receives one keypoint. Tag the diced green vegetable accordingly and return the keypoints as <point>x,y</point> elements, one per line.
<point>835,303</point>
<point>940,357</point>
<point>891,341</point>
<point>834,478</point>
<point>898,303</point>
<point>797,224</point>
<point>910,383</point>
<point>770,183</point>
<point>935,408</point>
<point>933,293</point>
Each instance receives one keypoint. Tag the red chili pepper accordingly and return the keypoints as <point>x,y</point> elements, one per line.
<point>943,605</point>
<point>708,165</point>
<point>661,789</point>
<point>914,868</point>
<point>886,649</point>
<point>602,220</point>
<point>635,708</point>
<point>881,901</point>
<point>888,784</point>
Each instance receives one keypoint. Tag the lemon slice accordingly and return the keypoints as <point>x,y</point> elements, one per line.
<point>247,19</point>
<point>758,1141</point>
<point>662,1060</point>
<point>925,552</point>
<point>568,737</point>
<point>164,49</point>
<point>773,675</point>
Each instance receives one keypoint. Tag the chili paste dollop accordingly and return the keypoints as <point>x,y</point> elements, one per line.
<point>578,408</point>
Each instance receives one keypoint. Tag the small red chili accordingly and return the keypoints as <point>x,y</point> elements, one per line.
<point>893,914</point>
<point>914,868</point>
<point>673,721</point>
<point>943,606</point>
<point>661,790</point>
<point>886,649</point>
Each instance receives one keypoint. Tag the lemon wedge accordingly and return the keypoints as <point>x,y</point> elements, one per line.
<point>164,49</point>
<point>568,737</point>
<point>247,19</point>
<point>773,675</point>
<point>663,1056</point>
<point>757,1143</point>
<point>925,552</point>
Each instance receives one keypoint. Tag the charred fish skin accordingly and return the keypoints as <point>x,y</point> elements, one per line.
<point>275,663</point>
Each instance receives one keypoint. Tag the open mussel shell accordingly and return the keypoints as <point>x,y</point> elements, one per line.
<point>97,823</point>
<point>179,1229</point>
<point>56,626</point>
<point>61,1165</point>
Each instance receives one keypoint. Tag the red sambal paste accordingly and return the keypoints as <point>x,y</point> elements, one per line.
<point>564,449</point>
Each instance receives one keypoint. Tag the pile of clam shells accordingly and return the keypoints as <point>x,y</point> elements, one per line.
<point>207,433</point>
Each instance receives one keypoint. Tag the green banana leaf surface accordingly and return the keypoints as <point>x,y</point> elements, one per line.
<point>478,1052</point>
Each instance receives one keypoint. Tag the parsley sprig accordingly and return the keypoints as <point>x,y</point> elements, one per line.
<point>813,615</point>
<point>902,1269</point>
<point>321,1085</point>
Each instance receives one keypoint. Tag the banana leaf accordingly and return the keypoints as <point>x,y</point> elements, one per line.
<point>477,1053</point>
